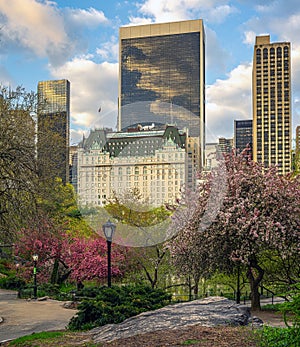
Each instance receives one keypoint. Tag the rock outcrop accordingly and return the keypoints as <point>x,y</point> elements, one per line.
<point>211,311</point>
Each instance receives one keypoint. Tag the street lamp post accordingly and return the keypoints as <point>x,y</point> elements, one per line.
<point>35,258</point>
<point>108,230</point>
<point>238,286</point>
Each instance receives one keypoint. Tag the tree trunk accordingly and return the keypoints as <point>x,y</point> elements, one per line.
<point>196,286</point>
<point>190,287</point>
<point>255,275</point>
<point>54,275</point>
<point>79,285</point>
<point>61,279</point>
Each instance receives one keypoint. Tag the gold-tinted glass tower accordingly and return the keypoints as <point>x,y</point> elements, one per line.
<point>162,76</point>
<point>271,93</point>
<point>53,129</point>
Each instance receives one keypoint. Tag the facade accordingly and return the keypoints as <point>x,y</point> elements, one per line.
<point>113,163</point>
<point>242,134</point>
<point>271,93</point>
<point>53,129</point>
<point>298,139</point>
<point>211,160</point>
<point>214,152</point>
<point>296,153</point>
<point>162,76</point>
<point>225,145</point>
<point>73,165</point>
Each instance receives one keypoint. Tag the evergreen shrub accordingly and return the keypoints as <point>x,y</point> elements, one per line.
<point>115,304</point>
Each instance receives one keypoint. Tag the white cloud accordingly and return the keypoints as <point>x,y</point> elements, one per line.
<point>219,14</point>
<point>139,20</point>
<point>109,51</point>
<point>44,30</point>
<point>282,7</point>
<point>5,77</point>
<point>92,86</point>
<point>88,18</point>
<point>249,38</point>
<point>175,10</point>
<point>33,25</point>
<point>228,100</point>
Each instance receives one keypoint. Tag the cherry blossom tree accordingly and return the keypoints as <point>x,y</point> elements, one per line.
<point>259,212</point>
<point>63,256</point>
<point>87,259</point>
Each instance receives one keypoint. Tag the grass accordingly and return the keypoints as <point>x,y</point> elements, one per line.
<point>272,307</point>
<point>53,339</point>
<point>34,338</point>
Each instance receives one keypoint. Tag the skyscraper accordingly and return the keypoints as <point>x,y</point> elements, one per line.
<point>298,139</point>
<point>242,134</point>
<point>162,76</point>
<point>271,92</point>
<point>296,161</point>
<point>53,129</point>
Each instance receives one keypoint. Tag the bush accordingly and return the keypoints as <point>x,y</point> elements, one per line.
<point>115,304</point>
<point>280,337</point>
<point>12,282</point>
<point>54,291</point>
<point>90,292</point>
<point>272,307</point>
<point>5,267</point>
<point>292,308</point>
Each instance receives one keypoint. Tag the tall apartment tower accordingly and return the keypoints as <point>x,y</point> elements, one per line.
<point>296,161</point>
<point>271,92</point>
<point>162,76</point>
<point>53,129</point>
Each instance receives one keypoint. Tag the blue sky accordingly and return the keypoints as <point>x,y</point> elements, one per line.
<point>78,40</point>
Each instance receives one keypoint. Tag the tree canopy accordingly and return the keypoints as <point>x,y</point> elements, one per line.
<point>260,212</point>
<point>18,174</point>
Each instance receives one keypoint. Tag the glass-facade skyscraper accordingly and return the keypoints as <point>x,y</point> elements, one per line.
<point>162,76</point>
<point>242,134</point>
<point>271,94</point>
<point>54,129</point>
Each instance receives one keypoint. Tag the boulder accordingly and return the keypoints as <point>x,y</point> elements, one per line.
<point>208,312</point>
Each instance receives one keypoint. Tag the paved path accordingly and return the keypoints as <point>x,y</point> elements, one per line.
<point>22,317</point>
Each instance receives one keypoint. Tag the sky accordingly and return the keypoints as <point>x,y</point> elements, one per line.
<point>78,40</point>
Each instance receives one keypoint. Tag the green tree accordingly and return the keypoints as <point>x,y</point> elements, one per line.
<point>58,201</point>
<point>18,174</point>
<point>151,256</point>
<point>52,147</point>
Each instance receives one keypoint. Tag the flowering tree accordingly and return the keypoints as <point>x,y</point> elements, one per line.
<point>87,259</point>
<point>63,256</point>
<point>259,212</point>
<point>43,238</point>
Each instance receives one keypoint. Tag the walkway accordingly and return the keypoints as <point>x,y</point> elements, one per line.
<point>22,317</point>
